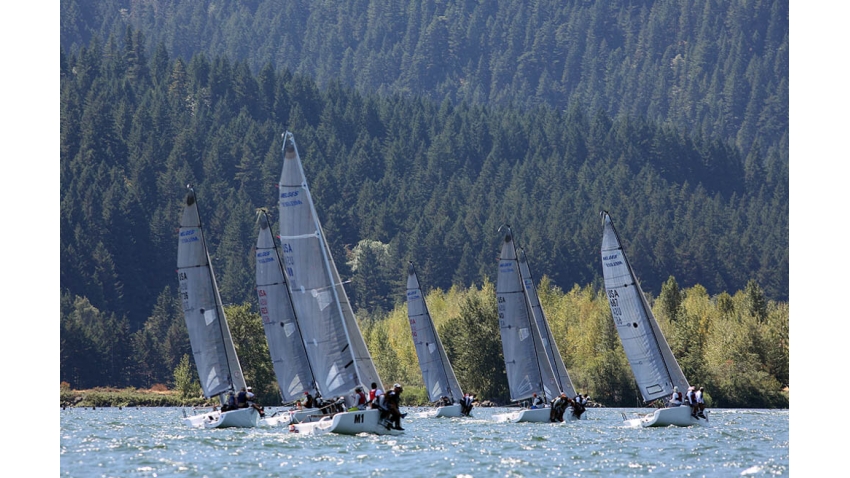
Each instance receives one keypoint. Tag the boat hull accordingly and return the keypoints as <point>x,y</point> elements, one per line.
<point>242,418</point>
<point>451,411</point>
<point>535,415</point>
<point>347,423</point>
<point>665,417</point>
<point>291,416</point>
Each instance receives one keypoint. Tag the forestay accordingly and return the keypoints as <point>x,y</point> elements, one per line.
<point>558,367</point>
<point>209,335</point>
<point>283,334</point>
<point>334,344</point>
<point>527,366</point>
<point>437,372</point>
<point>655,369</point>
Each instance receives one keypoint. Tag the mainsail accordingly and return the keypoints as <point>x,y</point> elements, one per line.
<point>655,369</point>
<point>335,346</point>
<point>286,345</point>
<point>209,335</point>
<point>526,363</point>
<point>560,370</point>
<point>437,372</point>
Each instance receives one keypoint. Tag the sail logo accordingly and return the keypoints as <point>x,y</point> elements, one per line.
<point>412,294</point>
<point>290,194</point>
<point>188,236</point>
<point>506,266</point>
<point>614,260</point>
<point>296,202</point>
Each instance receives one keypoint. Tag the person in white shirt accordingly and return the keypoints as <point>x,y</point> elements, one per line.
<point>700,402</point>
<point>691,399</point>
<point>676,399</point>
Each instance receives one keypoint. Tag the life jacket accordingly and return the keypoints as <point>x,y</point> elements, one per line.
<point>677,396</point>
<point>361,398</point>
<point>372,395</point>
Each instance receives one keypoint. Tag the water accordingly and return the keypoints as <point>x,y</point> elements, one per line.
<point>153,442</point>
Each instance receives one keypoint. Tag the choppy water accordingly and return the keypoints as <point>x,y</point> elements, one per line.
<point>153,442</point>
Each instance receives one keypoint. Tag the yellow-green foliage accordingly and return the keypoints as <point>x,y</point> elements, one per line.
<point>734,346</point>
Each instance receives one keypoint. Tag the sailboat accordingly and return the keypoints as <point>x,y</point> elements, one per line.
<point>655,368</point>
<point>333,341</point>
<point>283,334</point>
<point>530,373</point>
<point>562,378</point>
<point>437,372</point>
<point>209,335</point>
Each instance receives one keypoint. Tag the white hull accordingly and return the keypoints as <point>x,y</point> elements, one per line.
<point>347,423</point>
<point>290,416</point>
<point>665,417</point>
<point>446,411</point>
<point>242,418</point>
<point>536,415</point>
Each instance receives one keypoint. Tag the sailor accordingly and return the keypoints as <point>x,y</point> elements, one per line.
<point>536,401</point>
<point>676,398</point>
<point>393,402</point>
<point>242,398</point>
<point>700,403</point>
<point>231,402</point>
<point>579,405</point>
<point>692,401</point>
<point>466,404</point>
<point>308,400</point>
<point>559,405</point>
<point>375,396</point>
<point>359,398</point>
<point>252,402</point>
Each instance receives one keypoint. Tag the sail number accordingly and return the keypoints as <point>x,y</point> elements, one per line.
<point>614,302</point>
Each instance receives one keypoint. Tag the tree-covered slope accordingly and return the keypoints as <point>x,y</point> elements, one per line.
<point>431,181</point>
<point>719,69</point>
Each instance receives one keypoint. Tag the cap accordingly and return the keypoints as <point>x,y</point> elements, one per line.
<point>396,386</point>
<point>249,388</point>
<point>675,389</point>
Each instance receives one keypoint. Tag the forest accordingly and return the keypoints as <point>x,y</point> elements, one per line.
<point>418,175</point>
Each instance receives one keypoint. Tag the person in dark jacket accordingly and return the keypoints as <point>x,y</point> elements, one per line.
<point>393,401</point>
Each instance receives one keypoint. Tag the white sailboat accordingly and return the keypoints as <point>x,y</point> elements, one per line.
<point>283,334</point>
<point>209,335</point>
<point>655,369</point>
<point>562,378</point>
<point>334,344</point>
<point>437,372</point>
<point>530,374</point>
